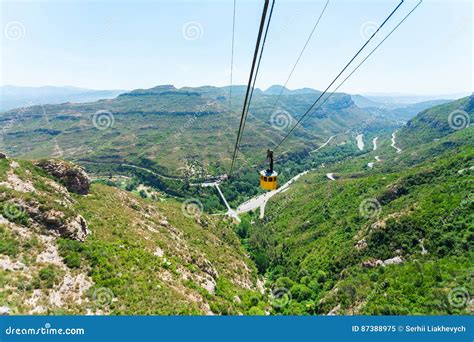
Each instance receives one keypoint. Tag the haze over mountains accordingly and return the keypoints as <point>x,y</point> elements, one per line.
<point>16,96</point>
<point>20,96</point>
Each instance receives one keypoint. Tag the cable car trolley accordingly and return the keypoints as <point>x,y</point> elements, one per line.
<point>268,177</point>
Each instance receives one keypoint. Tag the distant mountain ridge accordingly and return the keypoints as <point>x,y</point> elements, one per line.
<point>21,96</point>
<point>172,129</point>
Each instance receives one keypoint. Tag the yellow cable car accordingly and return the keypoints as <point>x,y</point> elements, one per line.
<point>268,178</point>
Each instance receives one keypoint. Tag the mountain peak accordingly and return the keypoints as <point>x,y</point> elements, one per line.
<point>276,89</point>
<point>279,89</point>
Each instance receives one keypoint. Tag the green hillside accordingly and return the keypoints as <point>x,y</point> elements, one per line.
<point>394,239</point>
<point>137,256</point>
<point>176,132</point>
<point>436,122</point>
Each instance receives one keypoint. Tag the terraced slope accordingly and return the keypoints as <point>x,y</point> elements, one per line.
<point>177,132</point>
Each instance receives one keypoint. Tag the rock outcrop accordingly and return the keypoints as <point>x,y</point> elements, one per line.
<point>377,262</point>
<point>72,176</point>
<point>73,227</point>
<point>371,263</point>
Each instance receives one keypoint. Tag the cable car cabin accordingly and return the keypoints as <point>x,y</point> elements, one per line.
<point>268,178</point>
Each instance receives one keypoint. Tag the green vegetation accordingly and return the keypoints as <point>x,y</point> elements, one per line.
<point>436,122</point>
<point>397,238</point>
<point>47,276</point>
<point>168,130</point>
<point>417,208</point>
<point>8,244</point>
<point>143,256</point>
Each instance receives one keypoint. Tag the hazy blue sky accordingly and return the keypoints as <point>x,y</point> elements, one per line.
<point>139,44</point>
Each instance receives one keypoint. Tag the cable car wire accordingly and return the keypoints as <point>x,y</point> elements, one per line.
<point>340,73</point>
<point>232,59</point>
<point>256,72</point>
<point>367,57</point>
<point>299,57</point>
<point>257,48</point>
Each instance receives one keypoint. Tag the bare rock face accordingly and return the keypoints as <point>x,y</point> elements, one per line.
<point>361,244</point>
<point>53,218</point>
<point>75,227</point>
<point>371,263</point>
<point>392,261</point>
<point>4,311</point>
<point>73,177</point>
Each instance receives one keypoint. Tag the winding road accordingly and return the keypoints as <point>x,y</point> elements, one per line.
<point>360,141</point>
<point>374,142</point>
<point>261,200</point>
<point>320,147</point>
<point>377,159</point>
<point>399,150</point>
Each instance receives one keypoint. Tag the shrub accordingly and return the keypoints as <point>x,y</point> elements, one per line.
<point>8,245</point>
<point>48,276</point>
<point>301,292</point>
<point>70,250</point>
<point>73,260</point>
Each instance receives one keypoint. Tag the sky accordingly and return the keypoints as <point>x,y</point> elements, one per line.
<point>130,44</point>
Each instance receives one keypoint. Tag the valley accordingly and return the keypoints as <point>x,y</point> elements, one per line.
<point>161,230</point>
